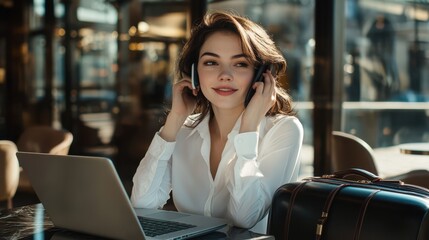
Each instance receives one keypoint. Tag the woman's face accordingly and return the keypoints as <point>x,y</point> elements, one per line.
<point>224,72</point>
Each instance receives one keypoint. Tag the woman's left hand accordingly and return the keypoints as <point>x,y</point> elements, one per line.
<point>261,102</point>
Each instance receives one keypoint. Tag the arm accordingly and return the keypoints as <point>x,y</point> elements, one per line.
<point>183,105</point>
<point>152,180</point>
<point>255,177</point>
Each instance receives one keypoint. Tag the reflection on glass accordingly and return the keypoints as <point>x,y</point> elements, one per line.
<point>39,219</point>
<point>2,88</point>
<point>36,87</point>
<point>97,70</point>
<point>98,11</point>
<point>386,62</point>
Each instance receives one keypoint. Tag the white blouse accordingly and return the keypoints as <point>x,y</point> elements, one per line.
<point>252,167</point>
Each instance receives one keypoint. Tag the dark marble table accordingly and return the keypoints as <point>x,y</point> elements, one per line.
<point>32,222</point>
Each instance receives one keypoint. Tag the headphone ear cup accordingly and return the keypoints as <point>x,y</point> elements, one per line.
<point>194,77</point>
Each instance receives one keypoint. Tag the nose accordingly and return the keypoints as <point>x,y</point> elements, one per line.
<point>225,74</point>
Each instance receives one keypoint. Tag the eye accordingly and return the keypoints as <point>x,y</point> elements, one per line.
<point>242,64</point>
<point>209,63</point>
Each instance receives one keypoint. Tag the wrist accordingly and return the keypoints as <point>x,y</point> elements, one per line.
<point>249,124</point>
<point>248,127</point>
<point>172,126</point>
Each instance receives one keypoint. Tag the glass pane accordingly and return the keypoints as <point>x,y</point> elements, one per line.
<point>36,82</point>
<point>291,24</point>
<point>387,62</point>
<point>35,87</point>
<point>97,71</point>
<point>150,43</point>
<point>2,87</point>
<point>386,83</point>
<point>156,39</point>
<point>58,86</point>
<point>37,14</point>
<point>95,57</point>
<point>99,11</point>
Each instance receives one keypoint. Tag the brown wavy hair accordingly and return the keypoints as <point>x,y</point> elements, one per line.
<point>257,46</point>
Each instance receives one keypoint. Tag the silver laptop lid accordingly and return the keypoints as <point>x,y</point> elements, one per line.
<point>61,183</point>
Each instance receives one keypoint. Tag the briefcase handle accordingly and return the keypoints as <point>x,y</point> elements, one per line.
<point>371,180</point>
<point>356,171</point>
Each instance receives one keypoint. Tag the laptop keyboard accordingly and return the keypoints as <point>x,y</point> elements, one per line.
<point>154,227</point>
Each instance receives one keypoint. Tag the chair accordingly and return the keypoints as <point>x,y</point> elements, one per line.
<point>9,171</point>
<point>349,151</point>
<point>45,139</point>
<point>42,139</point>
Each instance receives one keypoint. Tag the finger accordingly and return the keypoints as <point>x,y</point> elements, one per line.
<point>188,84</point>
<point>265,86</point>
<point>184,83</point>
<point>268,89</point>
<point>269,80</point>
<point>259,87</point>
<point>271,83</point>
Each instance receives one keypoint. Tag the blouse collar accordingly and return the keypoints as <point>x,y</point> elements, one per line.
<point>203,127</point>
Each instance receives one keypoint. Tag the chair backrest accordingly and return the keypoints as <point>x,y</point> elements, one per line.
<point>9,170</point>
<point>349,151</point>
<point>45,139</point>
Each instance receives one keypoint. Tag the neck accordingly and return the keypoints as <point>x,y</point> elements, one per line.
<point>223,121</point>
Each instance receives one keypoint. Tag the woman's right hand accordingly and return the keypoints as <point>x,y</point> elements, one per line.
<point>183,104</point>
<point>184,98</point>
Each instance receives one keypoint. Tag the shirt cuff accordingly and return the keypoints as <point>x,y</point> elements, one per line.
<point>161,148</point>
<point>246,144</point>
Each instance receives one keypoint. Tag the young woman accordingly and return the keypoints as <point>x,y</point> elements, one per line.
<point>220,156</point>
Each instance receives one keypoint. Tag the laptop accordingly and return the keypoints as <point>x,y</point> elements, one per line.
<point>84,194</point>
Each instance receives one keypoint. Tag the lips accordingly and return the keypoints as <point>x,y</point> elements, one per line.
<point>224,91</point>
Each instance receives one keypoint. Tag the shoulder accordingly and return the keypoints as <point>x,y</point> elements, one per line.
<point>283,120</point>
<point>284,124</point>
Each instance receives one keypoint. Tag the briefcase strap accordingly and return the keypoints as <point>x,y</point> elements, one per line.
<point>289,212</point>
<point>325,213</point>
<point>362,213</point>
<point>326,209</point>
<point>324,216</point>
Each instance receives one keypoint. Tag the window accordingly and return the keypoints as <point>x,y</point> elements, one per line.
<point>386,87</point>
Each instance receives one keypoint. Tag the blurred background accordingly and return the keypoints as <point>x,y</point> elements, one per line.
<point>103,69</point>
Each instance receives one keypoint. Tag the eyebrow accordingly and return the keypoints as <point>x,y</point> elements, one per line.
<point>216,55</point>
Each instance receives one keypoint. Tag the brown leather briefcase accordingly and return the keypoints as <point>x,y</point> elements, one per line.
<point>335,208</point>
